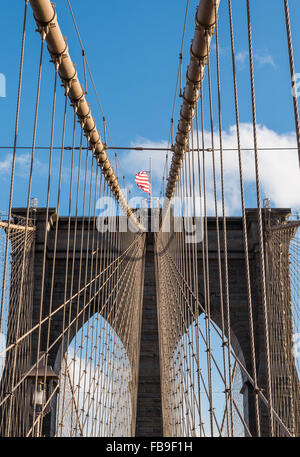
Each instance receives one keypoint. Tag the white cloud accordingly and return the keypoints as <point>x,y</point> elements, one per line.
<point>141,158</point>
<point>241,57</point>
<point>22,165</point>
<point>261,57</point>
<point>279,169</point>
<point>265,59</point>
<point>5,165</point>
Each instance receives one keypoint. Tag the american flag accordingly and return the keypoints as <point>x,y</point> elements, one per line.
<point>142,181</point>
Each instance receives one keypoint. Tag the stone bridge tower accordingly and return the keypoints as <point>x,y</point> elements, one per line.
<point>148,421</point>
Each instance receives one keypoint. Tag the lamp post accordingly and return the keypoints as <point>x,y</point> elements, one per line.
<point>42,381</point>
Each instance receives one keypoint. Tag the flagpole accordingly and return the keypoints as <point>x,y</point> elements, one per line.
<point>150,168</point>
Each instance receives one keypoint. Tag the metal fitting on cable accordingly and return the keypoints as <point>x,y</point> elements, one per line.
<point>43,27</point>
<point>57,58</point>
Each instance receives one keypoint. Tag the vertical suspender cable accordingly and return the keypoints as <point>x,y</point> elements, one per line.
<point>260,224</point>
<point>293,75</point>
<point>245,235</point>
<point>13,163</point>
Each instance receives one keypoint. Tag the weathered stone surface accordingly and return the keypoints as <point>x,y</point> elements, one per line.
<point>149,412</point>
<point>149,404</point>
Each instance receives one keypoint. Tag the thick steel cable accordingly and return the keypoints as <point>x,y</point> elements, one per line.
<point>178,71</point>
<point>37,101</point>
<point>94,312</point>
<point>62,357</point>
<point>183,290</point>
<point>47,207</point>
<point>179,78</point>
<point>280,260</point>
<point>104,305</point>
<point>53,313</point>
<point>245,235</point>
<point>110,294</point>
<point>171,281</point>
<point>205,19</point>
<point>236,358</point>
<point>86,65</point>
<point>55,248</point>
<point>84,318</point>
<point>293,74</point>
<point>206,274</point>
<point>141,148</point>
<point>227,297</point>
<point>68,244</point>
<point>217,216</point>
<point>79,278</point>
<point>46,19</point>
<point>12,180</point>
<point>19,383</point>
<point>260,224</point>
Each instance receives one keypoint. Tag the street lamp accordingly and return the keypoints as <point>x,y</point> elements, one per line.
<point>42,381</point>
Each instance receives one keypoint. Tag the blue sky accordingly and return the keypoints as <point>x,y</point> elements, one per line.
<point>132,48</point>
